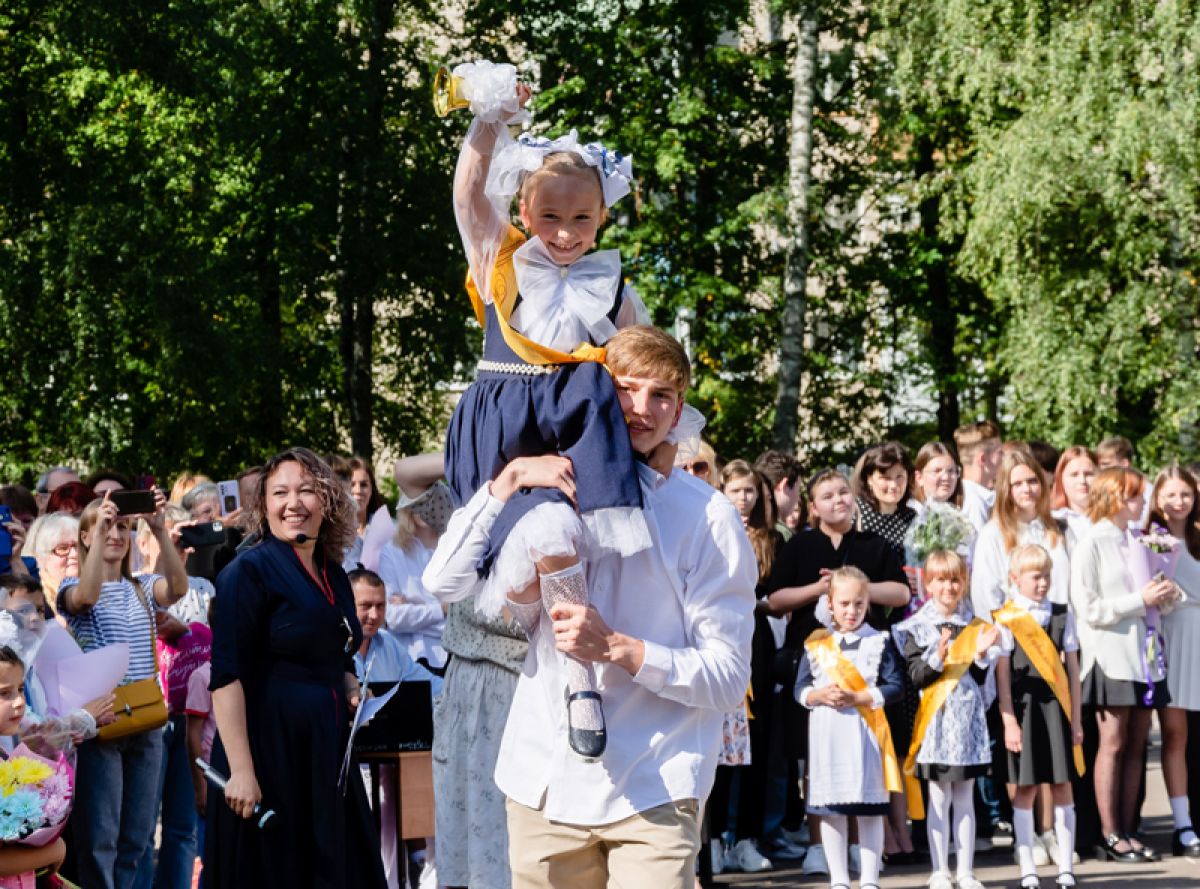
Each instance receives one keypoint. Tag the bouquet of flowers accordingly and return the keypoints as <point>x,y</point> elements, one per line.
<point>1153,553</point>
<point>35,798</point>
<point>940,526</point>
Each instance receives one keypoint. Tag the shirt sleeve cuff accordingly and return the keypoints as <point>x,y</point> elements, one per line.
<point>803,697</point>
<point>876,698</point>
<point>1131,604</point>
<point>933,659</point>
<point>656,667</point>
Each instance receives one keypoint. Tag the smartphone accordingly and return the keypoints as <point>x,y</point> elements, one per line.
<point>230,496</point>
<point>133,502</point>
<point>6,516</point>
<point>204,534</point>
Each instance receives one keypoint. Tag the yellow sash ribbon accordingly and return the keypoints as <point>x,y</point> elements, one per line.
<point>824,650</point>
<point>958,661</point>
<point>504,295</point>
<point>1040,650</point>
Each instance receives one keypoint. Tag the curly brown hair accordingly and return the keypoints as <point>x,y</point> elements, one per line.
<point>339,512</point>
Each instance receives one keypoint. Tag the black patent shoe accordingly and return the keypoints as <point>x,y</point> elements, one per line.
<point>1107,850</point>
<point>585,742</point>
<point>1141,849</point>
<point>1178,848</point>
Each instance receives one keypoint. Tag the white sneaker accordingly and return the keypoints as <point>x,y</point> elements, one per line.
<point>969,882</point>
<point>855,859</point>
<point>745,857</point>
<point>716,849</point>
<point>941,880</point>
<point>814,862</point>
<point>1041,855</point>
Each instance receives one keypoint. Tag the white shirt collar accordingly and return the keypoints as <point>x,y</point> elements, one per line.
<point>1037,609</point>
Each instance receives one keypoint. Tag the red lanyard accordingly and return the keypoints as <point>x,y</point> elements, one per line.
<point>325,588</point>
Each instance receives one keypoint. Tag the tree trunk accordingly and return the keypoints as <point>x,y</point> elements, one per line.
<point>795,276</point>
<point>943,313</point>
<point>358,273</point>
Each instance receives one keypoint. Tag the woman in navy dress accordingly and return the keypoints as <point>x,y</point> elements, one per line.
<point>283,682</point>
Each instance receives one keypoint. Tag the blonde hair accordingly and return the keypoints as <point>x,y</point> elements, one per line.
<point>945,563</point>
<point>847,574</point>
<point>406,529</point>
<point>563,163</point>
<point>970,439</point>
<point>184,483</point>
<point>1029,557</point>
<point>1004,513</point>
<point>1110,489</point>
<point>172,516</point>
<point>645,351</point>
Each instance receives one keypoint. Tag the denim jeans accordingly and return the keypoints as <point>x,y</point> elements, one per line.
<point>114,817</point>
<point>176,799</point>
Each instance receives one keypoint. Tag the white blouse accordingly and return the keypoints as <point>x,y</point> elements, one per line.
<point>989,568</point>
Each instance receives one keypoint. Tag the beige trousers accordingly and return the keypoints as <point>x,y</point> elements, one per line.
<point>655,849</point>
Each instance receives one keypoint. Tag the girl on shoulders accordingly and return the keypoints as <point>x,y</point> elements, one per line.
<point>1175,504</point>
<point>845,679</point>
<point>1037,680</point>
<point>948,653</point>
<point>1021,515</point>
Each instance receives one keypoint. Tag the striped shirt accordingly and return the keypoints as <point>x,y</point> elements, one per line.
<point>120,615</point>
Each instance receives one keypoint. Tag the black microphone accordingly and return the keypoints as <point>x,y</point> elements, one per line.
<point>302,539</point>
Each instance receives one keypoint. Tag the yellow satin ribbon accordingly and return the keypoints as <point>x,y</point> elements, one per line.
<point>958,661</point>
<point>504,295</point>
<point>824,650</point>
<point>1040,650</point>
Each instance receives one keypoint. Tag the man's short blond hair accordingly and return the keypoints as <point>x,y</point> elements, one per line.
<point>974,437</point>
<point>645,351</point>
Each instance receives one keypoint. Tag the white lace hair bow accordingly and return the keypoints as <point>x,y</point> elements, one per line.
<point>686,433</point>
<point>9,635</point>
<point>492,91</point>
<point>526,154</point>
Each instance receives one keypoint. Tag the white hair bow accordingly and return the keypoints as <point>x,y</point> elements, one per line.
<point>526,154</point>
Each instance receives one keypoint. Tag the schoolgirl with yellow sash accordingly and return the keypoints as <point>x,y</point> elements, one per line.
<point>845,678</point>
<point>949,655</point>
<point>1037,683</point>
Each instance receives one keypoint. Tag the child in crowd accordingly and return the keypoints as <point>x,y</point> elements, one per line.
<point>845,679</point>
<point>949,654</point>
<point>19,863</point>
<point>546,304</point>
<point>201,728</point>
<point>1040,706</point>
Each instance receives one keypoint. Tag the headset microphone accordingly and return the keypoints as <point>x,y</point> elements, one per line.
<point>302,538</point>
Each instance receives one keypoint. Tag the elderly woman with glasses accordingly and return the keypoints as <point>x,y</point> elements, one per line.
<point>53,541</point>
<point>285,630</point>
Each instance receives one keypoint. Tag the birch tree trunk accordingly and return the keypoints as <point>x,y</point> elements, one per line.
<point>796,235</point>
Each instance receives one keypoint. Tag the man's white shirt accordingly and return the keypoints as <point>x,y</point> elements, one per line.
<point>977,503</point>
<point>690,598</point>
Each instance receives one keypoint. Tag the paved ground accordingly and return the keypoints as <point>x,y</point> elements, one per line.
<point>997,870</point>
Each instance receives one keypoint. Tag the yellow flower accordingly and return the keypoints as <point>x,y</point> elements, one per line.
<point>21,772</point>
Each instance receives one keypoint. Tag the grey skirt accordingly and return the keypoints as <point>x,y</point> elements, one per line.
<point>1100,691</point>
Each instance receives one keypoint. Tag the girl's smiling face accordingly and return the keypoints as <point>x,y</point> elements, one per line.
<point>12,698</point>
<point>889,486</point>
<point>565,211</point>
<point>938,479</point>
<point>1175,499</point>
<point>833,502</point>
<point>945,591</point>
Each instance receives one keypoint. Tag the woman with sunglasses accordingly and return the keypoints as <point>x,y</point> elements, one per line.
<point>285,630</point>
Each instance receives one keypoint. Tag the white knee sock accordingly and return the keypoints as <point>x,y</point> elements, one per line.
<point>937,825</point>
<point>835,834</point>
<point>964,826</point>
<point>1023,837</point>
<point>1182,818</point>
<point>570,586</point>
<point>1064,832</point>
<point>870,847</point>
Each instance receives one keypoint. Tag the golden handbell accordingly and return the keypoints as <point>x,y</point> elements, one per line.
<point>447,92</point>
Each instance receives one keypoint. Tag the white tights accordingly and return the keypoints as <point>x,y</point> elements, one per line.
<point>835,834</point>
<point>955,798</point>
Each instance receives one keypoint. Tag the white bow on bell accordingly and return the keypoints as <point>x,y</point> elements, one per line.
<point>565,305</point>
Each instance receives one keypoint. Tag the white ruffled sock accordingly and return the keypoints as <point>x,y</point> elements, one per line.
<point>870,847</point>
<point>1064,832</point>
<point>1023,838</point>
<point>570,586</point>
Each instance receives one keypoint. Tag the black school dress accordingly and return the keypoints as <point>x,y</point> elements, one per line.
<point>275,631</point>
<point>799,563</point>
<point>1046,755</point>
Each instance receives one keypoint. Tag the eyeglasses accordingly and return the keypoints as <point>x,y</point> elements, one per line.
<point>696,467</point>
<point>64,549</point>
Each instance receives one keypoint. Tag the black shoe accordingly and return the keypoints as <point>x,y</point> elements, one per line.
<point>1146,853</point>
<point>1107,850</point>
<point>1191,850</point>
<point>587,743</point>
